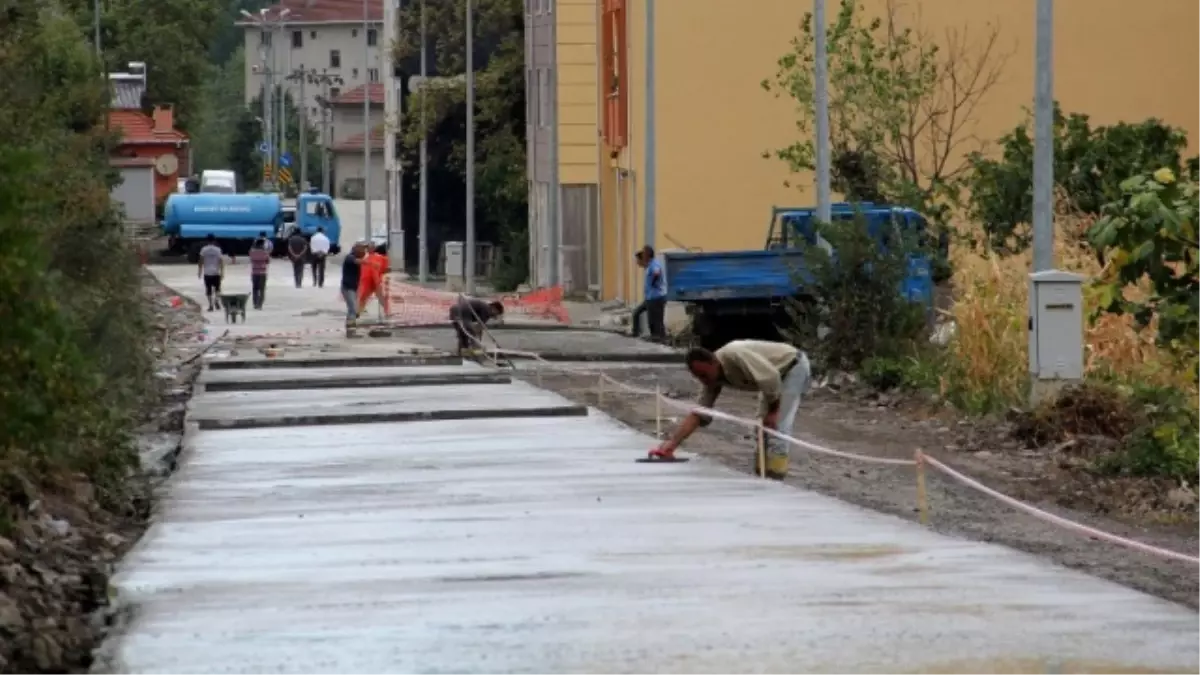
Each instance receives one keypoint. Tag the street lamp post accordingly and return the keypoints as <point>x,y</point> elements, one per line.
<point>366,27</point>
<point>423,213</point>
<point>821,110</point>
<point>269,69</point>
<point>469,254</point>
<point>1043,140</point>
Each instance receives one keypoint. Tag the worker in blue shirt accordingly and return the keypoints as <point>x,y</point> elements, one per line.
<point>654,304</point>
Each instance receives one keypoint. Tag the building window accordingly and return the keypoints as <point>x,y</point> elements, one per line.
<point>334,92</point>
<point>264,38</point>
<point>353,32</point>
<point>335,58</point>
<point>615,68</point>
<point>297,39</point>
<point>372,37</point>
<point>354,73</point>
<point>312,35</point>
<point>543,98</point>
<point>372,74</point>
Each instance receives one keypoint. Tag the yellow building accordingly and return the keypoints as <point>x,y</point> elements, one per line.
<point>712,189</point>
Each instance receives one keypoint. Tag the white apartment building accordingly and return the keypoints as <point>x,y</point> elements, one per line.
<point>322,35</point>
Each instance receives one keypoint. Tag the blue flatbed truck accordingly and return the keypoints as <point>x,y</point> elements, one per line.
<point>740,294</point>
<point>237,219</point>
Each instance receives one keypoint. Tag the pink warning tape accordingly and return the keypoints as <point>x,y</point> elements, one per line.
<point>945,470</point>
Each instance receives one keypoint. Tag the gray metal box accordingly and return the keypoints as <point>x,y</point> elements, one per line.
<point>1056,325</point>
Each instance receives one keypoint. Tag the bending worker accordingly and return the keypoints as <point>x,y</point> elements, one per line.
<point>779,372</point>
<point>468,316</point>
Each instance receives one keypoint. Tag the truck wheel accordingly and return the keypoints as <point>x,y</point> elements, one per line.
<point>193,255</point>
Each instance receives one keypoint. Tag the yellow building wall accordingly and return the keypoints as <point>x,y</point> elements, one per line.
<point>578,105</point>
<point>714,121</point>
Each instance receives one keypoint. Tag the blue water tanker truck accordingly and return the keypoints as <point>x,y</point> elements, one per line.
<point>237,219</point>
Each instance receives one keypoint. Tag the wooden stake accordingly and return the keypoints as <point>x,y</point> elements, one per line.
<point>657,412</point>
<point>922,495</point>
<point>762,452</point>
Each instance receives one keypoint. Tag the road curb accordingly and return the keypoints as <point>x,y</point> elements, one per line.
<point>359,383</point>
<point>409,416</point>
<point>337,362</point>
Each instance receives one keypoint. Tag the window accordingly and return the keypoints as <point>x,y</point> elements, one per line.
<point>372,37</point>
<point>264,38</point>
<point>297,39</point>
<point>372,74</point>
<point>354,73</point>
<point>614,74</point>
<point>334,92</point>
<point>353,32</point>
<point>312,35</point>
<point>543,98</point>
<point>335,58</point>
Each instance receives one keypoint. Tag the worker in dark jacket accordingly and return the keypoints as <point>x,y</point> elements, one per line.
<point>468,316</point>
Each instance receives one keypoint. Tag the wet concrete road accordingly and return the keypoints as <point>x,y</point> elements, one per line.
<point>537,545</point>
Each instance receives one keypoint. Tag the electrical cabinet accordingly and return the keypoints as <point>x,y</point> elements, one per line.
<point>1056,325</point>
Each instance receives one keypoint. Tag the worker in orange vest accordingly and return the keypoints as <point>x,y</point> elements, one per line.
<point>373,282</point>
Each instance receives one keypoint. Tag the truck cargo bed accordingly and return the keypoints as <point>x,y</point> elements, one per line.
<point>721,275</point>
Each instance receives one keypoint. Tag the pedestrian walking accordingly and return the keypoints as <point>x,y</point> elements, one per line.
<point>318,248</point>
<point>351,274</point>
<point>211,269</point>
<point>654,303</point>
<point>260,260</point>
<point>779,372</point>
<point>468,316</point>
<point>298,251</point>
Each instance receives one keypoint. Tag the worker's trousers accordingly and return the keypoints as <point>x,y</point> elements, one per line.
<point>795,385</point>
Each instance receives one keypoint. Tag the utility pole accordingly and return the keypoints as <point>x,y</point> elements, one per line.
<point>96,28</point>
<point>393,119</point>
<point>1043,140</point>
<point>303,113</point>
<point>651,179</point>
<point>469,254</point>
<point>366,121</point>
<point>286,46</point>
<point>821,105</point>
<point>326,140</point>
<point>553,203</point>
<point>423,209</point>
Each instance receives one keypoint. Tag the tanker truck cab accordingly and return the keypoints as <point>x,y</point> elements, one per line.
<point>313,211</point>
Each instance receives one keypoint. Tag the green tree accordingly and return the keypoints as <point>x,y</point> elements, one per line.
<point>902,105</point>
<point>501,187</point>
<point>73,355</point>
<point>242,153</point>
<point>221,107</point>
<point>1090,165</point>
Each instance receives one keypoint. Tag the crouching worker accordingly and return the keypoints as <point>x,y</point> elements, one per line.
<point>779,372</point>
<point>468,316</point>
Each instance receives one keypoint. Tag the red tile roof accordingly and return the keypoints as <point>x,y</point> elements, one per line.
<point>321,11</point>
<point>355,95</point>
<point>136,127</point>
<point>355,142</point>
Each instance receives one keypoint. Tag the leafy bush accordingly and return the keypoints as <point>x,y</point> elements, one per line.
<point>1165,443</point>
<point>73,357</point>
<point>851,307</point>
<point>1089,165</point>
<point>909,372</point>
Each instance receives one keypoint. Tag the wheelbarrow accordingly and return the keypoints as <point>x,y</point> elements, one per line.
<point>234,305</point>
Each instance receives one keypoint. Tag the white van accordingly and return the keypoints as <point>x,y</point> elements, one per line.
<point>218,180</point>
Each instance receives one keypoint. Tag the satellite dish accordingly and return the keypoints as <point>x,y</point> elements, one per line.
<point>166,165</point>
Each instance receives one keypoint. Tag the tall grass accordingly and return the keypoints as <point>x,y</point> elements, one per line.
<point>986,364</point>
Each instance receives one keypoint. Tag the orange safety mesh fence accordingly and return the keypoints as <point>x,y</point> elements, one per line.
<point>413,305</point>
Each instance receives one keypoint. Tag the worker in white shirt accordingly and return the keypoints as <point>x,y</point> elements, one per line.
<point>318,247</point>
<point>779,372</point>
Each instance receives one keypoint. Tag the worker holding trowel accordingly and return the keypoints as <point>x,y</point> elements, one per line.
<point>779,372</point>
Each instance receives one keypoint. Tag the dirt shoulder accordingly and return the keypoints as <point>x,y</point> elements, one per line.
<point>55,566</point>
<point>849,422</point>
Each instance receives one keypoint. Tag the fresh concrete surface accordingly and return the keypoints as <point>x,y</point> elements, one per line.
<point>539,546</point>
<point>234,409</point>
<point>255,360</point>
